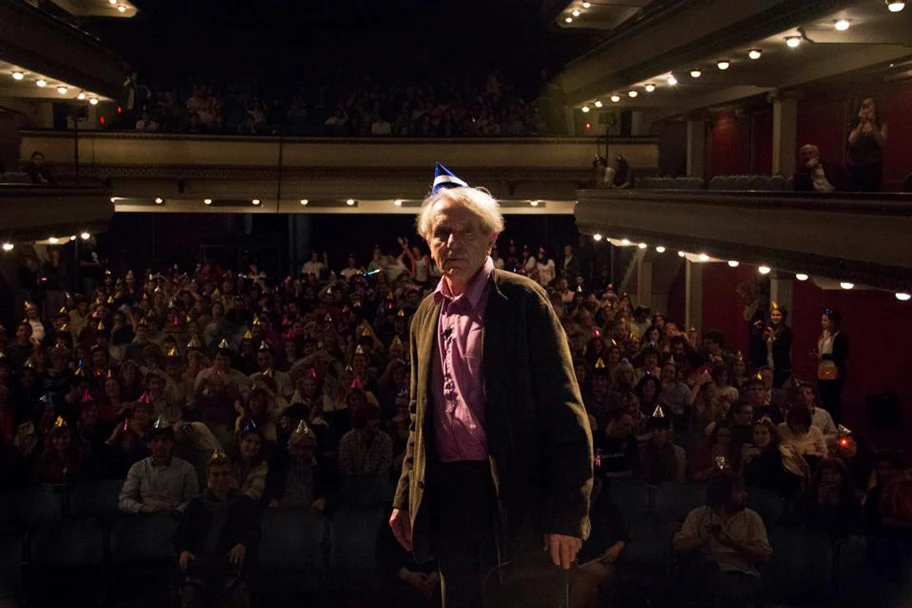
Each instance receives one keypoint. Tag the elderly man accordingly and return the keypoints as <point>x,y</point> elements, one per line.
<point>813,175</point>
<point>496,478</point>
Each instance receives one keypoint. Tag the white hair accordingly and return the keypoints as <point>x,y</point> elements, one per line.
<point>477,200</point>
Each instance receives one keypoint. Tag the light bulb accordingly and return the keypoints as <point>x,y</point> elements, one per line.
<point>304,201</point>
<point>8,246</point>
<point>650,88</point>
<point>755,53</point>
<point>53,240</point>
<point>633,93</point>
<point>81,95</point>
<point>894,6</point>
<point>62,90</point>
<point>85,236</point>
<point>255,202</point>
<point>17,75</point>
<point>207,201</point>
<point>41,82</point>
<point>587,4</point>
<point>625,242</point>
<point>764,269</point>
<point>72,237</point>
<point>660,249</point>
<point>801,276</point>
<point>672,81</point>
<point>350,202</point>
<point>585,109</point>
<point>598,103</point>
<point>615,98</point>
<point>597,237</point>
<point>793,41</point>
<point>533,203</point>
<point>398,202</point>
<point>159,200</point>
<point>842,25</point>
<point>733,263</point>
<point>93,101</point>
<point>121,9</point>
<point>703,257</point>
<point>724,64</point>
<point>847,285</point>
<point>902,296</point>
<point>642,245</point>
<point>696,73</point>
<point>569,19</point>
<point>575,13</point>
<point>681,254</point>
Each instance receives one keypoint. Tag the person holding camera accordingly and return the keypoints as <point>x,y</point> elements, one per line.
<point>727,540</point>
<point>865,148</point>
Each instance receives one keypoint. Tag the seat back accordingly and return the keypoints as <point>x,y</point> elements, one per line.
<point>98,499</point>
<point>33,506</point>
<point>140,538</point>
<point>68,544</point>
<point>354,535</point>
<point>292,551</point>
<point>367,491</point>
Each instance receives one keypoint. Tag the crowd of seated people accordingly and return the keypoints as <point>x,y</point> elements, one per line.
<point>216,394</point>
<point>356,106</point>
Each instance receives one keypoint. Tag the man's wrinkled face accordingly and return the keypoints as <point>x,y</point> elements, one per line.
<point>458,240</point>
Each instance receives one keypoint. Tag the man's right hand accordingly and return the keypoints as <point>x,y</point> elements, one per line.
<point>184,560</point>
<point>402,528</point>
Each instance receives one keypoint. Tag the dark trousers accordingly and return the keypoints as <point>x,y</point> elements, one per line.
<point>464,539</point>
<point>831,397</point>
<point>866,178</point>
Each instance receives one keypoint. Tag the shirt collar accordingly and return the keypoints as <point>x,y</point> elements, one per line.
<point>473,291</point>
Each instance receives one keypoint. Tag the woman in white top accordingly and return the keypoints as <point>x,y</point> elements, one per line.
<point>420,261</point>
<point>801,437</point>
<point>832,352</point>
<point>546,269</point>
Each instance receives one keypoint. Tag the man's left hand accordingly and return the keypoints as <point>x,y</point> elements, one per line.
<point>563,549</point>
<point>237,554</point>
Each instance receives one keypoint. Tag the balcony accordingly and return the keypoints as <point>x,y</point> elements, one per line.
<point>36,213</point>
<point>856,238</point>
<point>186,169</point>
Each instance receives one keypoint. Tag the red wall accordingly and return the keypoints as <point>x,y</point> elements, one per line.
<point>723,308</point>
<point>762,142</point>
<point>730,141</point>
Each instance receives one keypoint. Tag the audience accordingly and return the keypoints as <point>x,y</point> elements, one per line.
<point>814,175</point>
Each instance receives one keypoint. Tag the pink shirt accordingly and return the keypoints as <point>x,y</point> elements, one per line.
<point>457,377</point>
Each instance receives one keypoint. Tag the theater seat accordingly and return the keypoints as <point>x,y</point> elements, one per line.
<point>32,507</point>
<point>15,177</point>
<point>801,566</point>
<point>292,552</point>
<point>758,182</point>
<point>12,549</point>
<point>367,491</point>
<point>353,540</point>
<point>768,505</point>
<point>142,538</point>
<point>66,563</point>
<point>97,499</point>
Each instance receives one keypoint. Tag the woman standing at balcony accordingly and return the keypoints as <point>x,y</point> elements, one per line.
<point>832,352</point>
<point>865,151</point>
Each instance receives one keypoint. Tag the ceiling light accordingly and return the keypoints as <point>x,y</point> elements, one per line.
<point>72,237</point>
<point>894,6</point>
<point>159,200</point>
<point>62,90</point>
<point>842,25</point>
<point>598,103</point>
<point>847,285</point>
<point>93,101</point>
<point>53,240</point>
<point>304,201</point>
<point>733,263</point>
<point>597,237</point>
<point>680,254</point>
<point>255,202</point>
<point>81,95</point>
<point>615,98</point>
<point>114,200</point>
<point>585,109</point>
<point>587,4</point>
<point>703,257</point>
<point>723,64</point>
<point>764,269</point>
<point>207,201</point>
<point>625,242</point>
<point>642,245</point>
<point>350,202</point>
<point>901,296</point>
<point>660,249</point>
<point>801,276</point>
<point>569,19</point>
<point>696,73</point>
<point>112,1</point>
<point>9,247</point>
<point>398,202</point>
<point>650,88</point>
<point>793,41</point>
<point>85,236</point>
<point>671,80</point>
<point>122,9</point>
<point>754,53</point>
<point>533,203</point>
<point>17,75</point>
<point>633,93</point>
<point>575,13</point>
<point>41,82</point>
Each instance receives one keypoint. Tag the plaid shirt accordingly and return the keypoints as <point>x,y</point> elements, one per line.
<point>358,458</point>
